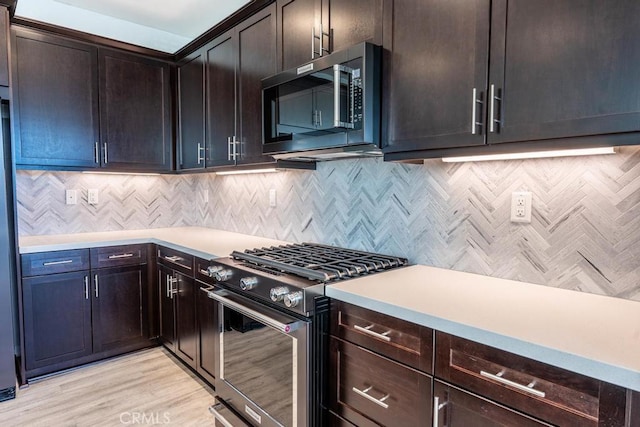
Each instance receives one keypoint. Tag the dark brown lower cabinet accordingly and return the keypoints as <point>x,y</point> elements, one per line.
<point>207,355</point>
<point>117,307</point>
<point>368,389</point>
<point>57,318</point>
<point>454,407</point>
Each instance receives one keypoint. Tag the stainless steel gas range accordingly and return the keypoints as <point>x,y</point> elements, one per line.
<point>273,319</point>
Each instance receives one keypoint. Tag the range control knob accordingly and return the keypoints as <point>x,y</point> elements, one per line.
<point>293,299</point>
<point>277,294</point>
<point>213,269</point>
<point>222,275</point>
<point>248,283</point>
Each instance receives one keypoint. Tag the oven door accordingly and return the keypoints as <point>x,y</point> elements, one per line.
<point>264,362</point>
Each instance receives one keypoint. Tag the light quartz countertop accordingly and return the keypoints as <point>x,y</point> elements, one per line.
<point>589,334</point>
<point>202,242</point>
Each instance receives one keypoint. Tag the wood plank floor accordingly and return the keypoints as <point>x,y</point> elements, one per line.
<point>145,388</point>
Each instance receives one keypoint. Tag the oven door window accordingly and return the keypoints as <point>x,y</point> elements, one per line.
<point>306,106</point>
<point>260,362</point>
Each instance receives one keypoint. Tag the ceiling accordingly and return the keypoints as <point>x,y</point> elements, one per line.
<point>163,25</point>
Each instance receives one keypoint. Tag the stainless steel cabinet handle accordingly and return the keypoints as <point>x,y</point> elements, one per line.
<point>235,148</point>
<point>95,279</point>
<point>526,388</point>
<point>474,112</point>
<point>120,256</point>
<point>106,153</point>
<point>86,287</point>
<point>437,406</point>
<point>173,258</point>
<point>219,416</point>
<point>66,261</point>
<point>96,152</point>
<point>321,41</point>
<point>205,272</point>
<point>229,148</point>
<point>320,37</point>
<point>364,393</point>
<point>313,42</point>
<point>367,330</point>
<point>200,150</point>
<point>168,292</point>
<point>492,117</point>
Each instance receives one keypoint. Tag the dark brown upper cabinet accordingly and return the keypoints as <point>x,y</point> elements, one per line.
<point>191,134</point>
<point>234,65</point>
<point>308,29</point>
<point>77,106</point>
<point>548,72</point>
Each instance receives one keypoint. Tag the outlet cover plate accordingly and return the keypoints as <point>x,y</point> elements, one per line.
<point>521,206</point>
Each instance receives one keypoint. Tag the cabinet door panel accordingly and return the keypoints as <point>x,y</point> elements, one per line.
<point>208,352</point>
<point>191,112</point>
<point>257,60</point>
<point>438,55</point>
<point>353,22</point>
<point>135,118</point>
<point>57,318</point>
<point>565,68</point>
<point>56,103</point>
<point>117,307</point>
<point>186,329</point>
<point>221,98</point>
<point>296,20</point>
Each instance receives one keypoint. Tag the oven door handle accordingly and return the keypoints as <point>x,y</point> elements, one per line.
<point>285,328</point>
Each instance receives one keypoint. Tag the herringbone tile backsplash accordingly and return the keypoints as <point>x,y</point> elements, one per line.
<point>584,235</point>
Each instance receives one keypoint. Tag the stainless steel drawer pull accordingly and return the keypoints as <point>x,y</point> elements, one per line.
<point>66,261</point>
<point>367,330</point>
<point>205,272</point>
<point>526,388</point>
<point>120,256</point>
<point>379,402</point>
<point>173,258</point>
<point>218,417</point>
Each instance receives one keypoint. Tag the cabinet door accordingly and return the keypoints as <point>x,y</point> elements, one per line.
<point>135,112</point>
<point>191,140</point>
<point>438,59</point>
<point>563,69</point>
<point>119,320</point>
<point>296,20</point>
<point>353,22</point>
<point>4,47</point>
<point>208,352</point>
<point>186,330</point>
<point>167,307</point>
<point>257,60</point>
<point>56,120</point>
<point>456,408</point>
<point>221,58</point>
<point>57,318</point>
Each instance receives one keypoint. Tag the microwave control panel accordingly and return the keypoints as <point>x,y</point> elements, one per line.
<point>356,98</point>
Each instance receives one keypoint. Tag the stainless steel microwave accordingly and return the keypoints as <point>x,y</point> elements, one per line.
<point>326,109</point>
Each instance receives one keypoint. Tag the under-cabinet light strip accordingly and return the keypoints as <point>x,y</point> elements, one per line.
<point>533,155</point>
<point>240,172</point>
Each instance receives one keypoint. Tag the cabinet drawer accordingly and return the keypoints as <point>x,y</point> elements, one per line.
<point>116,256</point>
<point>176,260</point>
<point>397,339</point>
<point>546,392</point>
<point>368,389</point>
<point>41,263</point>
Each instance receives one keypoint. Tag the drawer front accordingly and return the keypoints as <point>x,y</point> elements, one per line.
<point>117,256</point>
<point>176,260</point>
<point>552,394</point>
<point>201,271</point>
<point>368,389</point>
<point>397,339</point>
<point>42,263</point>
<point>454,407</point>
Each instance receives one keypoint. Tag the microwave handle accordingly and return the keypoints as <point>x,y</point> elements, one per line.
<point>337,69</point>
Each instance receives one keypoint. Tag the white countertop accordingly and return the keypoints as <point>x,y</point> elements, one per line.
<point>203,242</point>
<point>590,334</point>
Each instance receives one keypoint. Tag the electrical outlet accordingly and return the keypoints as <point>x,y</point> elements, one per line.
<point>71,197</point>
<point>272,198</point>
<point>521,206</point>
<point>92,196</point>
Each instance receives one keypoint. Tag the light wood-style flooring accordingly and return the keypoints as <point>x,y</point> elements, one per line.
<point>145,388</point>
